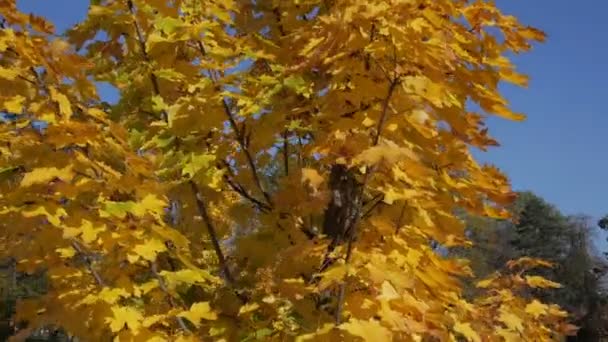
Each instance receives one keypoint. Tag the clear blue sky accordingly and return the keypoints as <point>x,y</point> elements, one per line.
<point>560,152</point>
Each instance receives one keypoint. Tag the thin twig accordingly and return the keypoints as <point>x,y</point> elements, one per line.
<point>142,46</point>
<point>375,202</point>
<point>202,209</point>
<point>240,136</point>
<point>300,152</point>
<point>383,116</point>
<point>240,189</point>
<point>286,152</point>
<point>88,262</point>
<point>170,299</point>
<point>398,226</point>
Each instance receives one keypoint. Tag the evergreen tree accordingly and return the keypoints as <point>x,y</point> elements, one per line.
<point>541,231</point>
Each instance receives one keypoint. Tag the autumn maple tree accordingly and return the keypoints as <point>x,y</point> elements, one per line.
<point>271,170</point>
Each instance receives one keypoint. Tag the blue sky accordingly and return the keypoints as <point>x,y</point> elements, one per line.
<point>560,151</point>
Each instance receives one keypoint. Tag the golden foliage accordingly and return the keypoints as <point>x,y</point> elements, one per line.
<point>190,209</point>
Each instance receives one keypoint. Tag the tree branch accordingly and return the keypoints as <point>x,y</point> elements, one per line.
<point>202,209</point>
<point>240,189</point>
<point>142,46</point>
<point>375,202</point>
<point>286,153</point>
<point>170,299</point>
<point>353,227</point>
<point>88,262</point>
<point>240,137</point>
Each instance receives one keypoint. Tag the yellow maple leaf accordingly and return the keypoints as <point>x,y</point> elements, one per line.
<point>327,327</point>
<point>44,175</point>
<point>250,307</point>
<point>66,253</point>
<point>387,151</point>
<point>506,113</point>
<point>151,320</point>
<point>187,338</point>
<point>514,77</point>
<point>149,204</point>
<point>15,104</point>
<point>54,219</point>
<point>388,291</point>
<point>554,310</point>
<point>147,286</point>
<point>112,295</point>
<point>528,263</point>
<point>536,308</point>
<point>125,316</point>
<point>466,331</point>
<point>159,339</point>
<point>149,249</point>
<point>538,281</point>
<point>8,73</point>
<point>89,232</point>
<point>187,276</point>
<point>313,178</point>
<point>370,330</point>
<point>368,122</point>
<point>65,107</point>
<point>508,335</point>
<point>395,194</point>
<point>511,320</point>
<point>198,312</point>
<point>333,275</point>
<point>485,283</point>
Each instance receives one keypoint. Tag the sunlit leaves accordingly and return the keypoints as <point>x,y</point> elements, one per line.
<point>148,250</point>
<point>46,174</point>
<point>468,332</point>
<point>125,317</point>
<point>536,308</point>
<point>367,330</point>
<point>65,108</point>
<point>14,104</point>
<point>248,308</point>
<point>537,281</point>
<point>198,312</point>
<point>202,166</point>
<point>202,190</point>
<point>187,276</point>
<point>149,204</point>
<point>313,178</point>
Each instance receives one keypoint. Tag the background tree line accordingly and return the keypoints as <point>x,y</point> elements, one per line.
<point>540,230</point>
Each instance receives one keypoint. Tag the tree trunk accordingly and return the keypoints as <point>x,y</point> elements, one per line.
<point>345,204</point>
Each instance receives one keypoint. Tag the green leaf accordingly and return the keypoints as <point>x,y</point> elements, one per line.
<point>260,334</point>
<point>297,84</point>
<point>158,104</point>
<point>169,74</point>
<point>197,163</point>
<point>117,209</point>
<point>169,24</point>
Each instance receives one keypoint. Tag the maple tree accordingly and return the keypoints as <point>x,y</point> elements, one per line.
<point>271,170</point>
